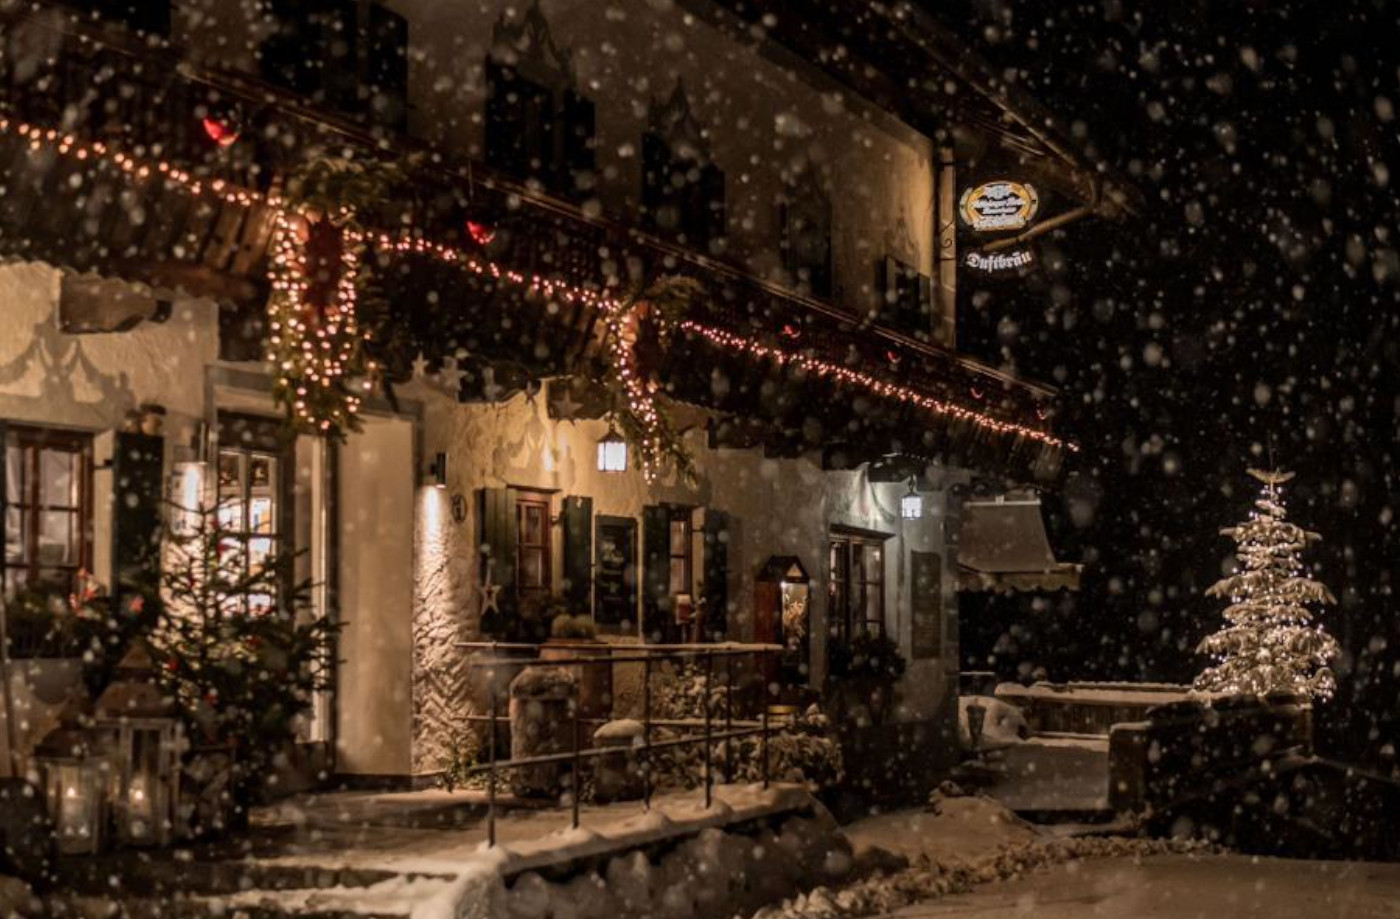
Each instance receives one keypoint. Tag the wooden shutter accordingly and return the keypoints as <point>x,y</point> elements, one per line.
<point>283,57</point>
<point>577,161</point>
<point>716,574</point>
<point>137,499</point>
<point>388,67</point>
<point>712,207</point>
<point>335,24</point>
<point>151,16</point>
<point>932,322</point>
<point>498,540</point>
<point>578,553</point>
<point>658,619</point>
<point>4,498</point>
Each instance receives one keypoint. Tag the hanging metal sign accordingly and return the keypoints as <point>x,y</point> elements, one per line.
<point>999,262</point>
<point>994,207</point>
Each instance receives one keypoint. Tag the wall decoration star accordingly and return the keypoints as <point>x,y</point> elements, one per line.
<point>451,375</point>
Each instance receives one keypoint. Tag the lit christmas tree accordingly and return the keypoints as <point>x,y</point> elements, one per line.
<point>1270,644</point>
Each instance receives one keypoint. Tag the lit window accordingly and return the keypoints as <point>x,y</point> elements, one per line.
<point>48,509</point>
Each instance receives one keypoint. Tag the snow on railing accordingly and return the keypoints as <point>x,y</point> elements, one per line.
<point>704,654</point>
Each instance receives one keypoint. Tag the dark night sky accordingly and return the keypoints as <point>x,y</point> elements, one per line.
<point>1255,303</point>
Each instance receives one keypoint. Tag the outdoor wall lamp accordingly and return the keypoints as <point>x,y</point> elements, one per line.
<point>612,451</point>
<point>437,471</point>
<point>911,506</point>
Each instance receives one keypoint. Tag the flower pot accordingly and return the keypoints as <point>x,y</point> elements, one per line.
<point>595,681</point>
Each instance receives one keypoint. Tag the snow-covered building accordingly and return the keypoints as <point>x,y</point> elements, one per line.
<point>557,159</point>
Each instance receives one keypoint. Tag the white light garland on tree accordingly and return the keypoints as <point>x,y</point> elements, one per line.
<point>1270,643</point>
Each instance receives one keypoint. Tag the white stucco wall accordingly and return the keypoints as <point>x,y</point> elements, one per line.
<point>90,382</point>
<point>375,704</point>
<point>763,117</point>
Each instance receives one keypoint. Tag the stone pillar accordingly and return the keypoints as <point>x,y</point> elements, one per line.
<point>543,701</point>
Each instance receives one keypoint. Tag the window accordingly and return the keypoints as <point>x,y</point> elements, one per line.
<point>532,555</point>
<point>681,570</point>
<point>253,468</point>
<point>856,584</point>
<point>907,299</point>
<point>151,16</point>
<point>538,126</point>
<point>806,242</point>
<point>47,507</point>
<point>682,188</point>
<point>319,49</point>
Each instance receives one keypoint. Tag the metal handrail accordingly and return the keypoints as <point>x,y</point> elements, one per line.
<point>643,750</point>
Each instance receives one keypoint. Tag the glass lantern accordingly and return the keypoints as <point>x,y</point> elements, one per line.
<point>147,741</point>
<point>911,506</point>
<point>74,773</point>
<point>612,452</point>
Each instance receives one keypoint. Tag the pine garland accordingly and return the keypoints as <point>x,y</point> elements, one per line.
<point>1270,644</point>
<point>317,271</point>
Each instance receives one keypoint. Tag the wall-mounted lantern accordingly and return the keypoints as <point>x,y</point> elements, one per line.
<point>437,471</point>
<point>911,506</point>
<point>612,452</point>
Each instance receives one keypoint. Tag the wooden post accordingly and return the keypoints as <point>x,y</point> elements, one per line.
<point>728,717</point>
<point>945,254</point>
<point>491,776</point>
<point>646,733</point>
<point>709,764</point>
<point>763,754</point>
<point>578,763</point>
<point>11,734</point>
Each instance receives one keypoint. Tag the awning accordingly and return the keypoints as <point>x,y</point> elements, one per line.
<point>1002,547</point>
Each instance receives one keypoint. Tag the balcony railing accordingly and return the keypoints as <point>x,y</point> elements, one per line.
<point>150,102</point>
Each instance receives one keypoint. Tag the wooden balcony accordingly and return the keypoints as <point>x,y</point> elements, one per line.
<point>104,85</point>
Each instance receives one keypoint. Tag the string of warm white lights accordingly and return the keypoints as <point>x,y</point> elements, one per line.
<point>314,346</point>
<point>549,287</point>
<point>318,363</point>
<point>733,342</point>
<point>641,400</point>
<point>96,151</point>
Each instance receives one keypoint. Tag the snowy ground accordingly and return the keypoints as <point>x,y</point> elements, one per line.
<point>1054,773</point>
<point>1181,887</point>
<point>965,829</point>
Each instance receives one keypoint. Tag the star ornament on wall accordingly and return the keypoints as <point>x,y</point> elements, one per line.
<point>564,407</point>
<point>451,375</point>
<point>490,594</point>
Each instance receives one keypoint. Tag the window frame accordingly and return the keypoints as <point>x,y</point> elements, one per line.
<point>682,516</point>
<point>33,441</point>
<point>526,500</point>
<point>850,588</point>
<point>262,442</point>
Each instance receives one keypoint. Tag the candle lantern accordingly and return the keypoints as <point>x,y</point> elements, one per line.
<point>147,740</point>
<point>75,774</point>
<point>612,452</point>
<point>911,506</point>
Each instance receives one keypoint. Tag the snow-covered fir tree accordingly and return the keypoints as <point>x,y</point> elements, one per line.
<point>1270,643</point>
